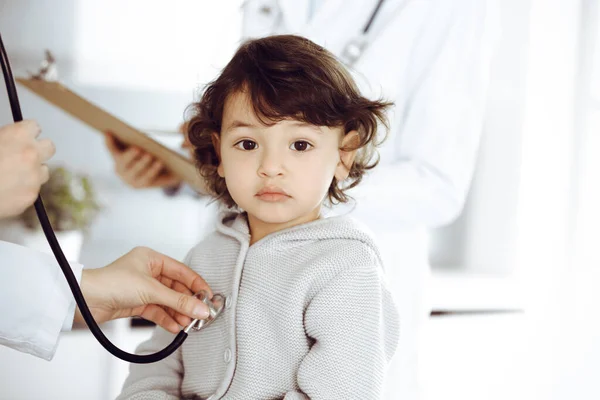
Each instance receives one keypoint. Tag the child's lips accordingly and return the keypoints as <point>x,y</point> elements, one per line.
<point>271,190</point>
<point>273,197</point>
<point>272,194</point>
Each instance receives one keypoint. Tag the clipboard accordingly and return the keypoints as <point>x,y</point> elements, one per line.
<point>99,119</point>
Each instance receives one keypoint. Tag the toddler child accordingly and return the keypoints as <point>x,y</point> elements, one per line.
<point>280,134</point>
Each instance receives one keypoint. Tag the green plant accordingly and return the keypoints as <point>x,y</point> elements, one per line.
<point>69,199</point>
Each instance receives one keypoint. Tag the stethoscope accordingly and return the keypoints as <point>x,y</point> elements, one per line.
<point>215,305</point>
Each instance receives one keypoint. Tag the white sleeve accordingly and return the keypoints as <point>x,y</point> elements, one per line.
<point>436,137</point>
<point>35,300</point>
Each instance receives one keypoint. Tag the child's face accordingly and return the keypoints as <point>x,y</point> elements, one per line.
<point>279,174</point>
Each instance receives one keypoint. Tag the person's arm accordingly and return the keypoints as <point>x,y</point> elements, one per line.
<point>354,325</point>
<point>157,381</point>
<point>22,168</point>
<point>36,302</point>
<point>436,137</point>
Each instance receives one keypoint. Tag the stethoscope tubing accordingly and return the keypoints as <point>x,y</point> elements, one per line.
<point>372,17</point>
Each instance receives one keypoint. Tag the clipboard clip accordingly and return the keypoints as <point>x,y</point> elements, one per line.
<point>48,71</point>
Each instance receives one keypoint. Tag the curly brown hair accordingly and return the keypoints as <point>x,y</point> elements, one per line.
<point>288,77</point>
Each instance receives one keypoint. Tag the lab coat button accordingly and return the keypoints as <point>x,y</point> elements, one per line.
<point>227,356</point>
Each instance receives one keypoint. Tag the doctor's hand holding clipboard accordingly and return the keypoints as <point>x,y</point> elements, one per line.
<point>140,169</point>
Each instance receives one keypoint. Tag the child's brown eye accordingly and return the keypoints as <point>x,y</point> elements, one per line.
<point>300,145</point>
<point>246,144</point>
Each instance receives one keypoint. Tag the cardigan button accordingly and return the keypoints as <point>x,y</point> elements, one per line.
<point>228,302</point>
<point>227,356</point>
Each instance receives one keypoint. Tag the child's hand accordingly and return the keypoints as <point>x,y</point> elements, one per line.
<point>145,283</point>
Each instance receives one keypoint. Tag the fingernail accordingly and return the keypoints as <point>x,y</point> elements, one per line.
<point>201,311</point>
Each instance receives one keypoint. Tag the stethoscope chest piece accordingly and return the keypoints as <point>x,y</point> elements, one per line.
<point>353,50</point>
<point>216,305</point>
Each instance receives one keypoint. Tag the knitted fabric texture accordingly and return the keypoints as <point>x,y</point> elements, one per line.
<point>307,315</point>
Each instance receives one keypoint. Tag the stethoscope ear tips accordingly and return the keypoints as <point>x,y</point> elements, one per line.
<point>216,305</point>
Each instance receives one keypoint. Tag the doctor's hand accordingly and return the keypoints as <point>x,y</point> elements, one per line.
<point>22,168</point>
<point>137,168</point>
<point>144,283</point>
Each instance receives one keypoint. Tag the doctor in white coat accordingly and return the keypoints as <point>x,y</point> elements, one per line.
<point>35,301</point>
<point>432,59</point>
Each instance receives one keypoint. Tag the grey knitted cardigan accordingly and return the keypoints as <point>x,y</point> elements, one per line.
<point>307,315</point>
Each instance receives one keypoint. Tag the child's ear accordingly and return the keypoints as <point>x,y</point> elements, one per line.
<point>350,141</point>
<point>216,140</point>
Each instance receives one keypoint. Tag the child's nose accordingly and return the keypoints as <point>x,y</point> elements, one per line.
<point>271,164</point>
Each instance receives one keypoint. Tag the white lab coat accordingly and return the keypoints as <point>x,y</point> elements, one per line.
<point>432,59</point>
<point>36,303</point>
